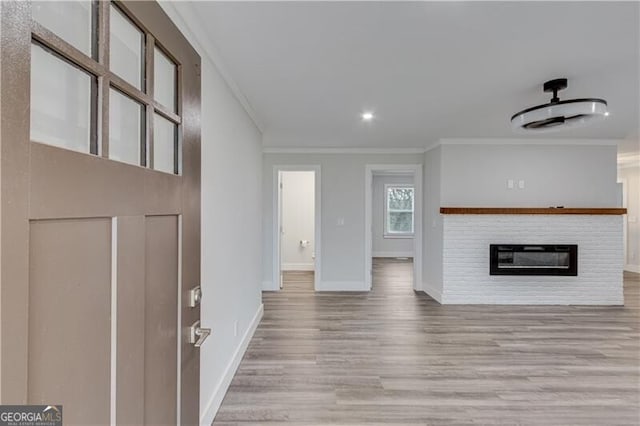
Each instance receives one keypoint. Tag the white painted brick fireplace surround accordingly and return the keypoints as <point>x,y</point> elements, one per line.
<point>466,240</point>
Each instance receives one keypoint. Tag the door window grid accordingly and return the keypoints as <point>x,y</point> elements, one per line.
<point>107,80</point>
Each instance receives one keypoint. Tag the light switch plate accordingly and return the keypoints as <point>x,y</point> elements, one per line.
<point>521,184</point>
<point>510,184</point>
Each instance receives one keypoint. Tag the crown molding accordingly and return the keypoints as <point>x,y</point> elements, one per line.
<point>339,150</point>
<point>521,141</point>
<point>191,25</point>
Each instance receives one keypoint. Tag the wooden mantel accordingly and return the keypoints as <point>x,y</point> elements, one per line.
<point>532,210</point>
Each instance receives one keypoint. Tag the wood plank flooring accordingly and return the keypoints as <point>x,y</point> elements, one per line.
<point>395,357</point>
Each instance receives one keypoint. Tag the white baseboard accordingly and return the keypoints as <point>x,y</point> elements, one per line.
<point>268,286</point>
<point>210,411</point>
<point>298,266</point>
<point>632,268</point>
<point>435,293</point>
<point>392,254</point>
<point>342,286</point>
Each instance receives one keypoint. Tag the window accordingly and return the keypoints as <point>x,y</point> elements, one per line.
<point>398,211</point>
<point>117,97</point>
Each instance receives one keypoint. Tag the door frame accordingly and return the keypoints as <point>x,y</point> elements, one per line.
<point>277,221</point>
<point>416,171</point>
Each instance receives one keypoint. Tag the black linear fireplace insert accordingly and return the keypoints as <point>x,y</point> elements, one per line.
<point>533,259</point>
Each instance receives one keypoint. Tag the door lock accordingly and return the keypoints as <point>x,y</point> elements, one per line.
<point>195,296</point>
<point>197,334</point>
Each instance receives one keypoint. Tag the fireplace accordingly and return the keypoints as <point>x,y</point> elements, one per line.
<point>533,259</point>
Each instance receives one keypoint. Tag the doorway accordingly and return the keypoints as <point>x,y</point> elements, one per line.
<point>297,230</point>
<point>393,225</point>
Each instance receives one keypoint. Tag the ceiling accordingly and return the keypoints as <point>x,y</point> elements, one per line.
<point>428,70</point>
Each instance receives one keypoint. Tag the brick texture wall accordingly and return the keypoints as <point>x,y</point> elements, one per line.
<point>466,278</point>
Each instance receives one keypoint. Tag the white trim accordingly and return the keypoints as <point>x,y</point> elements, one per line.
<point>298,266</point>
<point>430,146</point>
<point>339,150</point>
<point>268,286</point>
<point>523,141</point>
<point>432,292</point>
<point>342,286</point>
<point>206,47</point>
<point>179,331</point>
<point>392,254</point>
<point>209,413</point>
<point>114,320</point>
<point>632,268</point>
<point>277,218</point>
<point>416,170</point>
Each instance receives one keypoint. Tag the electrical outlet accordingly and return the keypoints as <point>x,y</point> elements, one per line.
<point>521,184</point>
<point>235,328</point>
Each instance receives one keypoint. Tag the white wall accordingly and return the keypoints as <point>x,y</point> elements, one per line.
<point>554,174</point>
<point>432,223</point>
<point>342,194</point>
<point>297,220</point>
<point>466,278</point>
<point>231,216</point>
<point>631,175</point>
<point>387,247</point>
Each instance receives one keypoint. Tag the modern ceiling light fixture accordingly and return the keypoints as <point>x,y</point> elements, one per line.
<point>367,116</point>
<point>557,114</point>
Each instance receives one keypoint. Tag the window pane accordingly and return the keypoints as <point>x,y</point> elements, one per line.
<point>164,84</point>
<point>60,102</point>
<point>126,123</point>
<point>72,21</point>
<point>164,144</point>
<point>400,222</point>
<point>126,48</point>
<point>400,198</point>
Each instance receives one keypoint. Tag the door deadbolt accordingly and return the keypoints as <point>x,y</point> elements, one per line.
<point>195,296</point>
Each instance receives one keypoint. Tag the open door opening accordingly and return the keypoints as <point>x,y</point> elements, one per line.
<point>297,230</point>
<point>297,233</point>
<point>393,227</point>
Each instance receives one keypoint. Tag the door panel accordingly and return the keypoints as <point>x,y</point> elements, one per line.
<point>70,314</point>
<point>161,319</point>
<point>131,322</point>
<point>59,271</point>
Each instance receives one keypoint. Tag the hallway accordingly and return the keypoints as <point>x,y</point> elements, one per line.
<point>392,356</point>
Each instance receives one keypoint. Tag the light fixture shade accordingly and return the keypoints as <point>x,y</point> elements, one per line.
<point>557,114</point>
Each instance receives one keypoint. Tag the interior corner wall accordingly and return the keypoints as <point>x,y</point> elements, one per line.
<point>432,224</point>
<point>342,213</point>
<point>554,174</point>
<point>298,208</point>
<point>632,177</point>
<point>381,246</point>
<point>231,264</point>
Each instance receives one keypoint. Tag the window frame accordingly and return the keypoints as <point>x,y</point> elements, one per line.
<point>98,67</point>
<point>386,232</point>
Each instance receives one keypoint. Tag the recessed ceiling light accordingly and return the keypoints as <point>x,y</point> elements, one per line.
<point>367,116</point>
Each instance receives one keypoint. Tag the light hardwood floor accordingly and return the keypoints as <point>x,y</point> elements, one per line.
<point>395,357</point>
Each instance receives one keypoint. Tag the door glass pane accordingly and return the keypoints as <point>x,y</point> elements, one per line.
<point>60,102</point>
<point>72,21</point>
<point>126,124</point>
<point>164,80</point>
<point>164,144</point>
<point>127,49</point>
